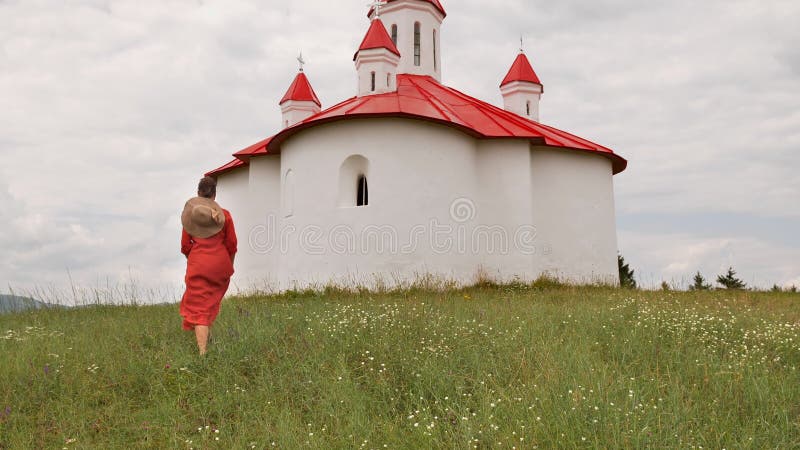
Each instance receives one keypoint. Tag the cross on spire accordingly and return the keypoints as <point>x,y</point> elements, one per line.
<point>521,44</point>
<point>301,61</point>
<point>376,6</point>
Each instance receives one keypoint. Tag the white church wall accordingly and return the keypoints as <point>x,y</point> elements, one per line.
<point>416,171</point>
<point>263,215</point>
<point>404,14</point>
<point>573,211</point>
<point>233,194</point>
<point>503,236</point>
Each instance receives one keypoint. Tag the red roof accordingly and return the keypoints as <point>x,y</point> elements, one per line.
<point>301,91</point>
<point>432,2</point>
<point>378,37</point>
<point>422,97</point>
<point>236,163</point>
<point>521,70</point>
<point>259,148</point>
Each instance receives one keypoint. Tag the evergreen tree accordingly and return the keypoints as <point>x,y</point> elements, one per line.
<point>729,280</point>
<point>699,283</point>
<point>665,286</point>
<point>625,274</point>
<point>793,289</point>
<point>776,288</point>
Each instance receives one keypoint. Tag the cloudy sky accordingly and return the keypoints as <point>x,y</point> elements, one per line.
<point>112,109</point>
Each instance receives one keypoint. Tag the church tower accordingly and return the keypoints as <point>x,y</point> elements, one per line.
<point>415,28</point>
<point>300,102</point>
<point>376,61</point>
<point>522,89</point>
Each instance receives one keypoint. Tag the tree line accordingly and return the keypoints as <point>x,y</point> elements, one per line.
<point>727,280</point>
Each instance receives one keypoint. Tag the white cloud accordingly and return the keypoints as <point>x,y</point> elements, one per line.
<point>113,109</point>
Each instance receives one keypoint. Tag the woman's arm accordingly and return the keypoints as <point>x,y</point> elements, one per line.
<point>231,242</point>
<point>186,243</point>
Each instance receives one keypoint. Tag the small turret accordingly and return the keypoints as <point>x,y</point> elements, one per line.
<point>376,61</point>
<point>522,89</point>
<point>300,101</point>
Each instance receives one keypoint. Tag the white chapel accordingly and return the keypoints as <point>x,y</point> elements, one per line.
<point>410,179</point>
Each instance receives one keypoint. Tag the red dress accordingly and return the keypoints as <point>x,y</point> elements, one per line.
<point>208,273</point>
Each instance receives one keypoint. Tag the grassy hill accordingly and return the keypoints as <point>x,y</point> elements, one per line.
<point>493,367</point>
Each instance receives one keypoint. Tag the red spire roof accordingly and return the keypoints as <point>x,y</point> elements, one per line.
<point>378,37</point>
<point>521,70</point>
<point>301,91</point>
<point>432,2</point>
<point>423,98</point>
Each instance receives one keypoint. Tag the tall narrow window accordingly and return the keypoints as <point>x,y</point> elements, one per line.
<point>417,38</point>
<point>528,108</point>
<point>434,51</point>
<point>373,81</point>
<point>394,34</point>
<point>388,80</point>
<point>363,192</point>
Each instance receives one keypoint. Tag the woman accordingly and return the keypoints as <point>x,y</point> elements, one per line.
<point>209,243</point>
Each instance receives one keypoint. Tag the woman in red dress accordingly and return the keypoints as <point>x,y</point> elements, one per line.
<point>209,243</point>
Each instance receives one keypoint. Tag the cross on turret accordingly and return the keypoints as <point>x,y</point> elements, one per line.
<point>301,61</point>
<point>376,6</point>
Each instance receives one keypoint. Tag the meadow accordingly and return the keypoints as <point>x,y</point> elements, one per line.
<point>518,366</point>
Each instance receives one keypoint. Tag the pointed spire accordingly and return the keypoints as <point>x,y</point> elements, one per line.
<point>521,70</point>
<point>301,90</point>
<point>378,37</point>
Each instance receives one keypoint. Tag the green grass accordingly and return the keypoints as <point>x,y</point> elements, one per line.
<point>486,367</point>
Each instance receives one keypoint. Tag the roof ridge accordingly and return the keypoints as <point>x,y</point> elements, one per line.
<point>450,112</point>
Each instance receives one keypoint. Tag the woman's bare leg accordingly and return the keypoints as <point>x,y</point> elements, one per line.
<point>201,333</point>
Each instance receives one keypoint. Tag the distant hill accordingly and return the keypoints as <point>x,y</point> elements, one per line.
<point>15,303</point>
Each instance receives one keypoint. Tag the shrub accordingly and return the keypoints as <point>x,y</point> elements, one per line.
<point>729,280</point>
<point>700,283</point>
<point>626,279</point>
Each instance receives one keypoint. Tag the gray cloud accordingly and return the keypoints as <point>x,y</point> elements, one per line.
<point>114,108</point>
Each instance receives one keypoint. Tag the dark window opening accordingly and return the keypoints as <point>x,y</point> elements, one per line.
<point>528,107</point>
<point>434,50</point>
<point>394,34</point>
<point>363,192</point>
<point>373,81</point>
<point>417,37</point>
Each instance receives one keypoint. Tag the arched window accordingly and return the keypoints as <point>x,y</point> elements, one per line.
<point>388,80</point>
<point>363,191</point>
<point>353,174</point>
<point>417,39</point>
<point>528,108</point>
<point>394,34</point>
<point>373,81</point>
<point>434,51</point>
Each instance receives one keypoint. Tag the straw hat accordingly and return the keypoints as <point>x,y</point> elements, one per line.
<point>202,217</point>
